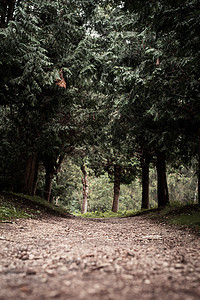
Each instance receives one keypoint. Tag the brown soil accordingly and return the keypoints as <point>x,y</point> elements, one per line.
<point>74,258</point>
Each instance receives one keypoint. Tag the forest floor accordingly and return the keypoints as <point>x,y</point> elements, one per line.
<point>120,258</point>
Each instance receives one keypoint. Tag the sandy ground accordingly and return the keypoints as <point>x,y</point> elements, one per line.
<point>74,258</point>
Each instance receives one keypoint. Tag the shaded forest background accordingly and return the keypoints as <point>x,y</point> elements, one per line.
<point>99,102</point>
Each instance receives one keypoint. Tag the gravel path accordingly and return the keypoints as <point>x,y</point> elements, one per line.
<point>121,259</point>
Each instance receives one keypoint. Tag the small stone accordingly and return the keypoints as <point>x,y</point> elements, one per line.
<point>25,289</point>
<point>179,266</point>
<point>127,276</point>
<point>130,254</point>
<point>31,257</point>
<point>147,281</point>
<point>24,257</point>
<point>30,272</point>
<point>50,273</point>
<point>44,280</point>
<point>67,282</point>
<point>165,264</point>
<point>54,294</point>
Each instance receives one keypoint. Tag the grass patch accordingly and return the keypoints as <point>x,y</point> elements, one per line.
<point>176,214</point>
<point>189,220</point>
<point>15,206</point>
<point>9,212</point>
<point>44,203</point>
<point>108,214</point>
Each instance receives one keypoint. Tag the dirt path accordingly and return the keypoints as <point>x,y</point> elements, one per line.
<point>123,259</point>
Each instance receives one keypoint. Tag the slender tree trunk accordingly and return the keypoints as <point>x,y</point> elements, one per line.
<point>145,182</point>
<point>162,189</point>
<point>85,190</point>
<point>196,192</point>
<point>11,10</point>
<point>31,175</point>
<point>27,175</point>
<point>7,12</point>
<point>51,170</point>
<point>35,180</point>
<point>48,184</point>
<point>117,177</point>
<point>3,13</point>
<point>199,170</point>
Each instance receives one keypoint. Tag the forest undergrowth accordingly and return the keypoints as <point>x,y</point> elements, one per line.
<point>14,207</point>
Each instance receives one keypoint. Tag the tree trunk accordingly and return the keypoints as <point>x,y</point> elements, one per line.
<point>3,13</point>
<point>199,170</point>
<point>48,184</point>
<point>11,10</point>
<point>35,180</point>
<point>145,182</point>
<point>51,170</point>
<point>7,12</point>
<point>162,189</point>
<point>85,190</point>
<point>31,175</point>
<point>117,177</point>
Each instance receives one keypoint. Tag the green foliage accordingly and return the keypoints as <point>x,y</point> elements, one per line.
<point>67,189</point>
<point>11,213</point>
<point>100,194</point>
<point>183,185</point>
<point>44,38</point>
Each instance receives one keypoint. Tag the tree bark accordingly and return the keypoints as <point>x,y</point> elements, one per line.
<point>11,8</point>
<point>48,184</point>
<point>145,182</point>
<point>199,169</point>
<point>31,175</point>
<point>85,190</point>
<point>35,179</point>
<point>3,13</point>
<point>117,177</point>
<point>51,170</point>
<point>162,188</point>
<point>7,12</point>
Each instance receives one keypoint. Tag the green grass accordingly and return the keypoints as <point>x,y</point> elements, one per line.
<point>189,220</point>
<point>15,206</point>
<point>8,212</point>
<point>176,214</point>
<point>108,214</point>
<point>41,201</point>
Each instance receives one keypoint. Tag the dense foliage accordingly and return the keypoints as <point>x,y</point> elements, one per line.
<point>113,84</point>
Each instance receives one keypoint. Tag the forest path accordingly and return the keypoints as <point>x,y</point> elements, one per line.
<point>74,258</point>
